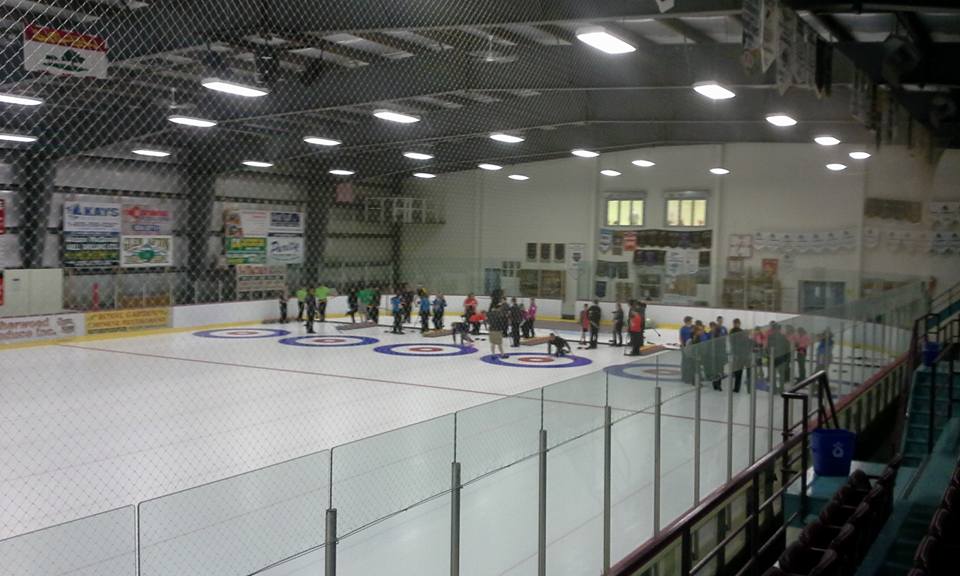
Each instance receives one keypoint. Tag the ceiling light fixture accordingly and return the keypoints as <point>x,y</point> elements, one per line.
<point>257,164</point>
<point>426,175</point>
<point>508,138</point>
<point>398,117</point>
<point>609,172</point>
<point>17,138</point>
<point>321,141</point>
<point>859,155</point>
<point>836,167</point>
<point>643,163</point>
<point>826,140</point>
<point>599,38</point>
<point>418,156</point>
<point>233,88</point>
<point>189,121</point>
<point>491,167</point>
<point>581,153</point>
<point>719,171</point>
<point>339,172</point>
<point>519,177</point>
<point>713,91</point>
<point>781,120</point>
<point>20,100</point>
<point>150,153</point>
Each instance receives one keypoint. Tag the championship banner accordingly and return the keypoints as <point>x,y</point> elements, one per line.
<point>64,52</point>
<point>147,220</point>
<point>285,223</point>
<point>629,241</point>
<point>252,278</point>
<point>146,251</point>
<point>606,239</point>
<point>246,223</point>
<point>82,216</point>
<point>246,251</point>
<point>91,250</point>
<point>127,320</point>
<point>942,214</point>
<point>285,250</point>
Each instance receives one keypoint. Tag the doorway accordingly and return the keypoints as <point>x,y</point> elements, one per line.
<point>820,296</point>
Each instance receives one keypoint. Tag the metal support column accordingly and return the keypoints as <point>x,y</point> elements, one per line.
<point>656,459</point>
<point>542,512</point>
<point>840,375</point>
<point>696,436</point>
<point>607,494</point>
<point>729,430</point>
<point>330,544</point>
<point>752,389</point>
<point>771,391</point>
<point>455,519</point>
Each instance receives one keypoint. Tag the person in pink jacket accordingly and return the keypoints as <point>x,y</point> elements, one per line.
<point>531,317</point>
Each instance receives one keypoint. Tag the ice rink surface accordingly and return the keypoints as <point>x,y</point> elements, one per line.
<point>95,425</point>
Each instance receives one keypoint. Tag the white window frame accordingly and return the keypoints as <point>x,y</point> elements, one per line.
<point>632,196</point>
<point>686,195</point>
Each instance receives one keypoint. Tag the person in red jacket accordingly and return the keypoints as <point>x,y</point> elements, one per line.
<point>469,310</point>
<point>637,325</point>
<point>584,324</point>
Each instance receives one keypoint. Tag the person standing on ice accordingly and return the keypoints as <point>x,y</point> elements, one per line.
<point>311,306</point>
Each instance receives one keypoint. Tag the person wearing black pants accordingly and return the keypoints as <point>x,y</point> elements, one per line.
<point>516,318</point>
<point>559,344</point>
<point>617,325</point>
<point>636,331</point>
<point>283,307</point>
<point>594,314</point>
<point>352,305</point>
<point>740,346</point>
<point>311,311</point>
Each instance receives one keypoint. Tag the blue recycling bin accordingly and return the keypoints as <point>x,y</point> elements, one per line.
<point>832,451</point>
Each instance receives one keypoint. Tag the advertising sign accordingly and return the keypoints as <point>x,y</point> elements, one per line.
<point>81,216</point>
<point>252,278</point>
<point>26,328</point>
<point>246,251</point>
<point>91,250</point>
<point>245,223</point>
<point>127,320</point>
<point>64,52</point>
<point>146,220</point>
<point>286,223</point>
<point>285,250</point>
<point>146,251</point>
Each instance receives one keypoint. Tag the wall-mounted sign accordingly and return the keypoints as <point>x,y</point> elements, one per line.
<point>246,251</point>
<point>285,250</point>
<point>91,249</point>
<point>146,251</point>
<point>147,220</point>
<point>64,52</point>
<point>80,216</point>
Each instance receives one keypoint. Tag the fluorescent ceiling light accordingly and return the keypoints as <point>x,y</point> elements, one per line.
<point>20,100</point>
<point>426,175</point>
<point>713,91</point>
<point>519,177</point>
<point>599,38</point>
<point>826,140</point>
<point>719,171</point>
<point>781,120</point>
<point>395,116</point>
<point>17,138</point>
<point>859,155</point>
<point>321,141</point>
<point>233,88</point>
<point>418,156</point>
<point>489,167</point>
<point>508,138</point>
<point>151,153</point>
<point>195,122</point>
<point>609,172</point>
<point>836,167</point>
<point>643,163</point>
<point>584,153</point>
<point>257,164</point>
<point>339,172</point>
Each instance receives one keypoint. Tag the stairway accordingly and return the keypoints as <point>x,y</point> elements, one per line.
<point>915,440</point>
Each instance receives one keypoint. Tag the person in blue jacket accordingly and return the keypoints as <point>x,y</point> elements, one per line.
<point>396,307</point>
<point>424,312</point>
<point>439,307</point>
<point>687,362</point>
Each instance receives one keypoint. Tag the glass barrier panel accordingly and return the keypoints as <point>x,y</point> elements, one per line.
<point>240,524</point>
<point>573,407</point>
<point>497,434</point>
<point>380,475</point>
<point>631,483</point>
<point>100,545</point>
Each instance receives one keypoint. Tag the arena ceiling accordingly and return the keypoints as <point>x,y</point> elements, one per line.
<point>466,68</point>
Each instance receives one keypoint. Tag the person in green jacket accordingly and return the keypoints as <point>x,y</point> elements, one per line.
<point>301,301</point>
<point>322,292</point>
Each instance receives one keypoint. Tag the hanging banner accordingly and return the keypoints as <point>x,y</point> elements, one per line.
<point>64,52</point>
<point>246,223</point>
<point>285,223</point>
<point>146,251</point>
<point>3,216</point>
<point>769,34</point>
<point>91,250</point>
<point>147,220</point>
<point>246,251</point>
<point>285,250</point>
<point>752,18</point>
<point>606,240</point>
<point>82,216</point>
<point>945,213</point>
<point>629,241</point>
